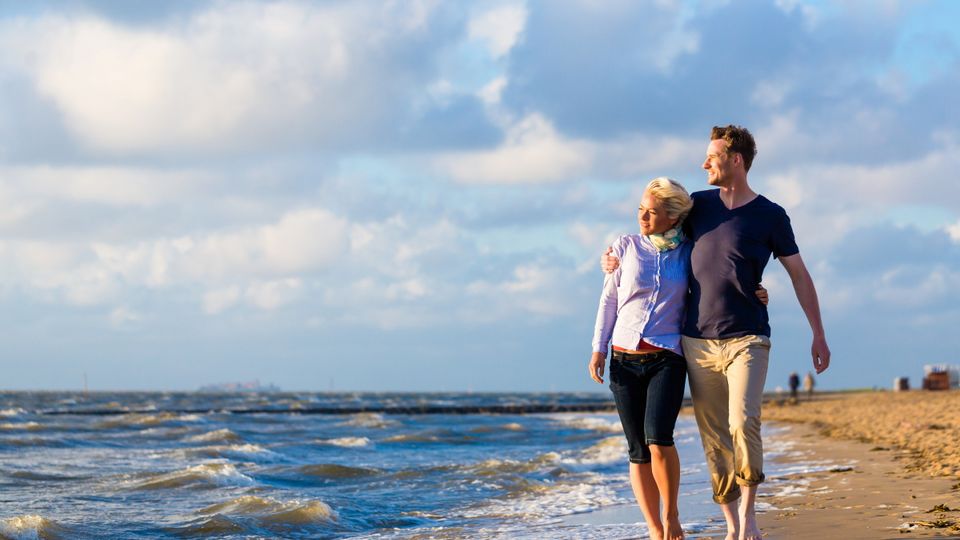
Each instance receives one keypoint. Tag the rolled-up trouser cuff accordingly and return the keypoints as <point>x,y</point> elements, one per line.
<point>750,481</point>
<point>727,497</point>
<point>659,443</point>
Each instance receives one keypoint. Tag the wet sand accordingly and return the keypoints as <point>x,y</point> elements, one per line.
<point>891,466</point>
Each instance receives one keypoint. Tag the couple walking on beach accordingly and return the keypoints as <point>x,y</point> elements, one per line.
<point>683,298</point>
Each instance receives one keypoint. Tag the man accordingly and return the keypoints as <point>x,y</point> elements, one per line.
<point>794,381</point>
<point>726,334</point>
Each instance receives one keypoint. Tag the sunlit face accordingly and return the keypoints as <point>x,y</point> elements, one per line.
<point>652,216</point>
<point>718,163</point>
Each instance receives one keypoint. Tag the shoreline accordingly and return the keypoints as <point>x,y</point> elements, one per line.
<point>853,465</point>
<point>896,474</point>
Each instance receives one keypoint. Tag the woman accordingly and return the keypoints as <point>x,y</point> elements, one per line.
<point>640,311</point>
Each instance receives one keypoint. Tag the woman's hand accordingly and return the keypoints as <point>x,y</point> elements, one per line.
<point>762,295</point>
<point>597,362</point>
<point>608,262</point>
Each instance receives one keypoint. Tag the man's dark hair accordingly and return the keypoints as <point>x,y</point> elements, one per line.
<point>739,140</point>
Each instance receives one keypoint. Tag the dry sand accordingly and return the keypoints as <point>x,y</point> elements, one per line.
<point>895,472</point>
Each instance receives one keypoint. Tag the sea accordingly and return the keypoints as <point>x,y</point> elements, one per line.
<point>335,465</point>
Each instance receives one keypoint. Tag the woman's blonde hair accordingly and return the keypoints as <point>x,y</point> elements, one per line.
<point>672,196</point>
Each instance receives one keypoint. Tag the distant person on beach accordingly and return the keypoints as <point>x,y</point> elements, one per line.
<point>808,384</point>
<point>640,312</point>
<point>726,333</point>
<point>794,386</point>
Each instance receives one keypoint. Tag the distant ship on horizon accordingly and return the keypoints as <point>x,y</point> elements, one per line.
<point>248,386</point>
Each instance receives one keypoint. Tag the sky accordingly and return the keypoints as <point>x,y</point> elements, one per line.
<point>413,195</point>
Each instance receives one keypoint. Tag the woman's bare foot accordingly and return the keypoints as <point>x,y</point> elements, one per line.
<point>672,528</point>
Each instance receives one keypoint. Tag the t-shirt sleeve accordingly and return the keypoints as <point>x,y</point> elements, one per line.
<point>782,241</point>
<point>685,226</point>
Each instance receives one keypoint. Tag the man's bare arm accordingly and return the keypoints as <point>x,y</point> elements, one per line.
<point>807,295</point>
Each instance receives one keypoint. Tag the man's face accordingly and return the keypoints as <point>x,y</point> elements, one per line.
<point>718,163</point>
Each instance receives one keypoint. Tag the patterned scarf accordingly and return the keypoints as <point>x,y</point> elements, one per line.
<point>667,240</point>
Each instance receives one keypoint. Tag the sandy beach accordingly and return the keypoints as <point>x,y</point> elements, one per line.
<point>894,466</point>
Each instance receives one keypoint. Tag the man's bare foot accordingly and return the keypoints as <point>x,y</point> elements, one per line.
<point>732,517</point>
<point>750,530</point>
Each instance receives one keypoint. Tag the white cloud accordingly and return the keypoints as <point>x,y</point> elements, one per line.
<point>954,232</point>
<point>533,153</point>
<point>234,76</point>
<point>531,289</point>
<point>108,185</point>
<point>500,27</point>
<point>218,300</point>
<point>770,94</point>
<point>649,156</point>
<point>301,241</point>
<point>491,92</point>
<point>910,288</point>
<point>123,316</point>
<point>270,295</point>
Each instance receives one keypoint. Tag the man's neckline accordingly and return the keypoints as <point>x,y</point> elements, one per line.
<point>751,201</point>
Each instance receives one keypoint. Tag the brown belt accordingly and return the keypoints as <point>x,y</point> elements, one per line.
<point>642,357</point>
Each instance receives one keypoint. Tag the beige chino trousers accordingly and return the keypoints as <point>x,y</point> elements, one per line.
<point>726,384</point>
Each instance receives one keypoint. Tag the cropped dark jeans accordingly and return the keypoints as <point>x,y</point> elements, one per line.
<point>648,390</point>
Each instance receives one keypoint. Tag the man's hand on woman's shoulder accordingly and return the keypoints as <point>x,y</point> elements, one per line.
<point>608,262</point>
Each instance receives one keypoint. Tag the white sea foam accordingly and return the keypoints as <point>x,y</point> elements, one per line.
<point>368,420</point>
<point>24,426</point>
<point>268,509</point>
<point>588,493</point>
<point>223,434</point>
<point>233,451</point>
<point>30,527</point>
<point>12,412</point>
<point>608,450</point>
<point>605,424</point>
<point>347,442</point>
<point>218,474</point>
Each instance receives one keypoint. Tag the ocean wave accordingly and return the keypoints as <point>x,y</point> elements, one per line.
<point>17,411</point>
<point>346,442</point>
<point>169,433</point>
<point>140,420</point>
<point>269,510</point>
<point>513,426</point>
<point>259,516</point>
<point>31,527</point>
<point>21,426</point>
<point>220,435</point>
<point>435,435</point>
<point>332,470</point>
<point>412,437</point>
<point>535,500</point>
<point>496,467</point>
<point>234,451</point>
<point>608,450</point>
<point>604,424</point>
<point>205,475</point>
<point>42,477</point>
<point>368,420</point>
<point>36,441</point>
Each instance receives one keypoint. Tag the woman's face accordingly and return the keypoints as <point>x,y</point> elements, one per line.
<point>652,216</point>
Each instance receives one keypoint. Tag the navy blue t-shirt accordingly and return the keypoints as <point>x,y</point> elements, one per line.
<point>730,250</point>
